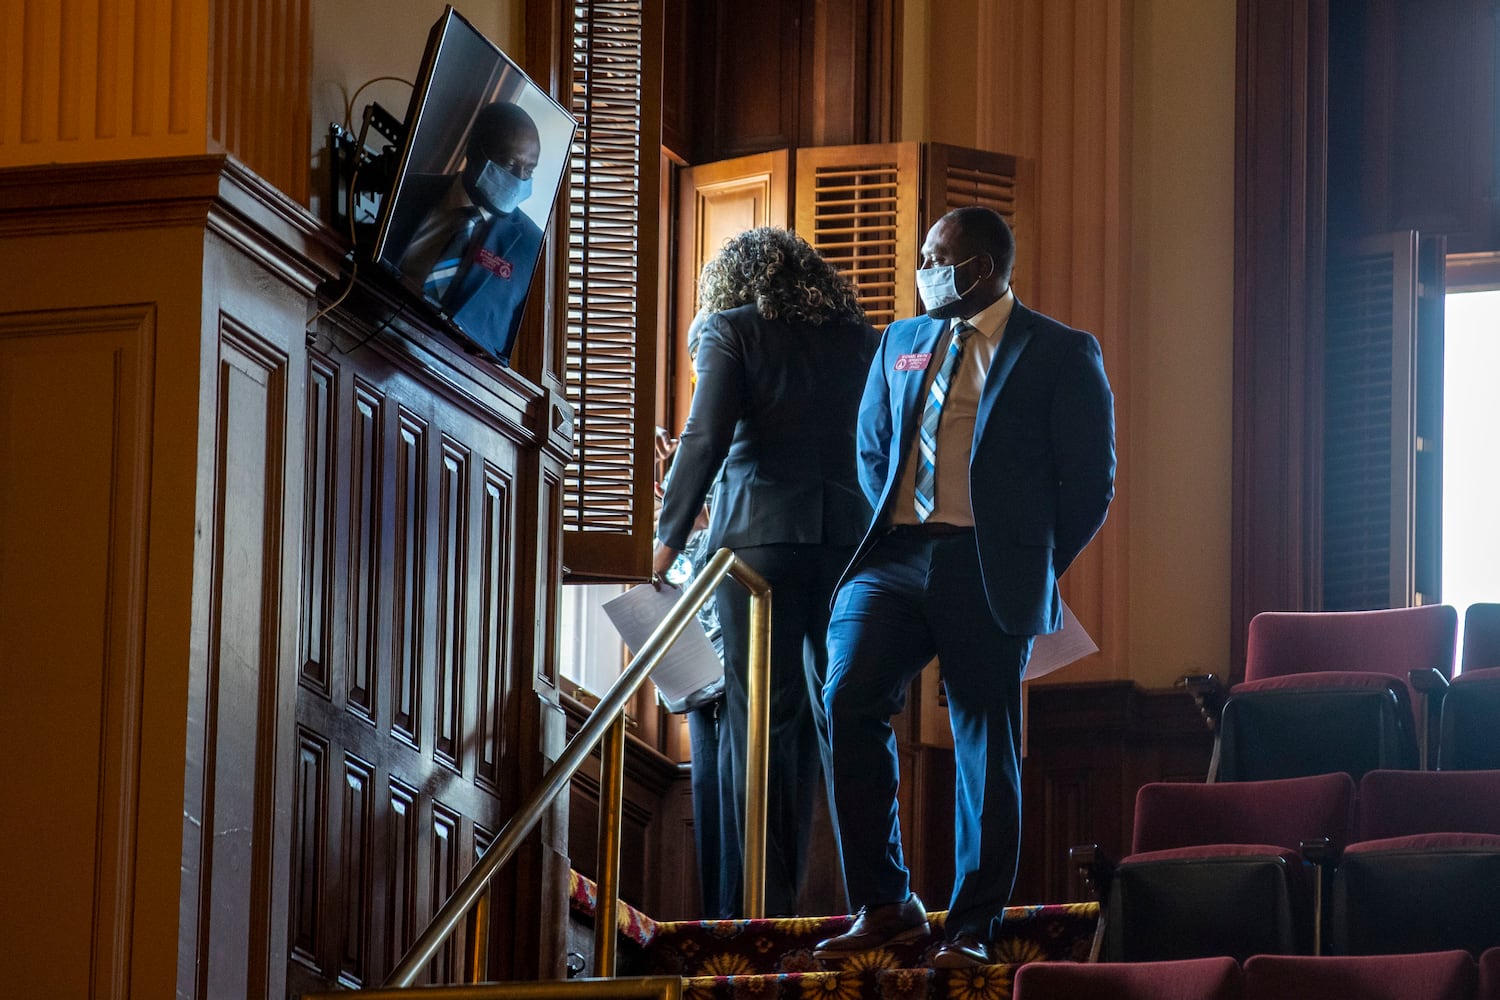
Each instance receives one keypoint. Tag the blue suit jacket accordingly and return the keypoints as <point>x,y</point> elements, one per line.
<point>485,305</point>
<point>1041,471</point>
<point>488,305</point>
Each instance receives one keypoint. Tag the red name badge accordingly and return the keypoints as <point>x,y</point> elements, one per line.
<point>913,362</point>
<point>495,264</point>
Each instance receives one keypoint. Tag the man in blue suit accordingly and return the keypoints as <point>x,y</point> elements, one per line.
<point>986,448</point>
<point>473,251</point>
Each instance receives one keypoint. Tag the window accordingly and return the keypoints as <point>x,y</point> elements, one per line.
<point>1471,476</point>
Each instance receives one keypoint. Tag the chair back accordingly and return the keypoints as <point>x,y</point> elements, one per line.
<point>1481,637</point>
<point>1216,978</point>
<point>1439,975</point>
<point>1281,812</point>
<point>1409,803</point>
<point>1392,642</point>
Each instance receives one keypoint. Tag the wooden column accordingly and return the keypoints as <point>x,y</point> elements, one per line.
<point>1280,223</point>
<point>136,79</point>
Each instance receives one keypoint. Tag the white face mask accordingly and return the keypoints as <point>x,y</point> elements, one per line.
<point>938,287</point>
<point>501,191</point>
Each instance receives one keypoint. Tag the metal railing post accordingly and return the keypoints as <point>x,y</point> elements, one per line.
<point>611,816</point>
<point>757,755</point>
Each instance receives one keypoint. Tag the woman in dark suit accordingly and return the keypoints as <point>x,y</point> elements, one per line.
<point>781,365</point>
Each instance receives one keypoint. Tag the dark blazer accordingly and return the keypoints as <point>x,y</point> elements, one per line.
<point>487,295</point>
<point>775,406</point>
<point>1041,472</point>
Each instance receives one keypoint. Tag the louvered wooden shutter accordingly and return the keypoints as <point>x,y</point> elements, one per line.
<point>1380,433</point>
<point>868,208</point>
<point>612,287</point>
<point>859,206</point>
<point>956,176</point>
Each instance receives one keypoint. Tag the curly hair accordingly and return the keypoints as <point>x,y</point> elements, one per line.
<point>784,276</point>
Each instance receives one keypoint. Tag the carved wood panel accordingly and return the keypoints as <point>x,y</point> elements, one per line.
<point>76,389</point>
<point>405,714</point>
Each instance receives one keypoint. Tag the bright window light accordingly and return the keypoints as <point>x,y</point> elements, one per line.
<point>589,649</point>
<point>1471,449</point>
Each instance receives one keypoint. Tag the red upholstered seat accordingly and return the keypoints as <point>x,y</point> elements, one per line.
<point>1424,871</point>
<point>1190,979</point>
<point>1216,869</point>
<point>1330,691</point>
<point>1489,974</point>
<point>1446,975</point>
<point>1471,709</point>
<point>1401,803</point>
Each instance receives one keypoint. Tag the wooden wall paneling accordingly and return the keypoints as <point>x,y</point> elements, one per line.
<point>649,781</point>
<point>754,77</point>
<point>310,807</point>
<point>716,201</point>
<point>241,585</point>
<point>1280,206</point>
<point>681,59</point>
<point>159,78</point>
<point>104,81</point>
<point>529,917</point>
<point>76,386</point>
<point>433,717</point>
<point>1413,92</point>
<point>242,740</point>
<point>787,74</point>
<point>882,77</point>
<point>932,831</point>
<point>1090,747</point>
<point>259,75</point>
<point>835,64</point>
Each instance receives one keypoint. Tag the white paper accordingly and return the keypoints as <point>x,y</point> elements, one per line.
<point>689,663</point>
<point>1058,649</point>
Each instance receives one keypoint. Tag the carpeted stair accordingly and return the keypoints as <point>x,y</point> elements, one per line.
<point>773,960</point>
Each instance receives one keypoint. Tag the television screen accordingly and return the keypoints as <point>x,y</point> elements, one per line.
<point>481,163</point>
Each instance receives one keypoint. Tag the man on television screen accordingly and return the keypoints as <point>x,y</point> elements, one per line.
<point>473,249</point>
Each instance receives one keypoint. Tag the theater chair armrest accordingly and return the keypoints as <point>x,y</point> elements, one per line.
<point>1433,687</point>
<point>1208,694</point>
<point>1096,868</point>
<point>1324,854</point>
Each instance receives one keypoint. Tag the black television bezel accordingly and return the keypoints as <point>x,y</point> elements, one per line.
<point>419,108</point>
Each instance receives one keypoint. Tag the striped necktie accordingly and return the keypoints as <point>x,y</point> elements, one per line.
<point>441,275</point>
<point>925,493</point>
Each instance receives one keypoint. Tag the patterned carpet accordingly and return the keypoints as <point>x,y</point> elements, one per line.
<point>773,960</point>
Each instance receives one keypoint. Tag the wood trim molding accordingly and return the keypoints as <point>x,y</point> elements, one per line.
<point>1280,223</point>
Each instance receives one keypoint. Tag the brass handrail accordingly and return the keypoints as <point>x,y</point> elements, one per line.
<point>608,714</point>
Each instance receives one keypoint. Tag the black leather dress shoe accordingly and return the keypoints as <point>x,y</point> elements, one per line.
<point>876,927</point>
<point>962,952</point>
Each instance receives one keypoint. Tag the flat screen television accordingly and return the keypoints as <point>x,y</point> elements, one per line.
<point>480,166</point>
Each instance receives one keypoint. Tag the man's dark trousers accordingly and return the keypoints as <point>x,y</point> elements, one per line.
<point>913,597</point>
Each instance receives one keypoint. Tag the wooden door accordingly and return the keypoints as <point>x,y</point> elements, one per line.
<point>716,201</point>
